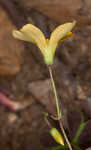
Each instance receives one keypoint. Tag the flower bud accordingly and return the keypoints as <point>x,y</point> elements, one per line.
<point>57,136</point>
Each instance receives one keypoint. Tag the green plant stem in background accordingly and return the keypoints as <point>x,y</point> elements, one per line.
<point>59,114</point>
<point>79,131</point>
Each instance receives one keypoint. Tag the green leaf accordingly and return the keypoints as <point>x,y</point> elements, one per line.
<point>76,147</point>
<point>60,147</point>
<point>79,131</point>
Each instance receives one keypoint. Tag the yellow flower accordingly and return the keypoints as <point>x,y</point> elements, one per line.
<point>57,136</point>
<point>47,47</point>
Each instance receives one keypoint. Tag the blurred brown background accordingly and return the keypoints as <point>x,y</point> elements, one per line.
<point>23,74</point>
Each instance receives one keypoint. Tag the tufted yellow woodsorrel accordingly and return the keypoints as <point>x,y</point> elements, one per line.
<point>47,47</point>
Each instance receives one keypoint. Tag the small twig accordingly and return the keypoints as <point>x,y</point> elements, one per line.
<point>12,104</point>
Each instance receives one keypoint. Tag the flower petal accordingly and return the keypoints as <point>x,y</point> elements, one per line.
<point>59,33</point>
<point>32,34</point>
<point>68,35</point>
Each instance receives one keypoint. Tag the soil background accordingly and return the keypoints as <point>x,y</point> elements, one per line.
<point>25,78</point>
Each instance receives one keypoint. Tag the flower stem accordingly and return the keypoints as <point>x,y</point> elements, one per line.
<point>55,93</point>
<point>59,114</point>
<point>65,136</point>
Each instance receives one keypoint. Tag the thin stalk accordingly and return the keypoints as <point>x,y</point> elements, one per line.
<point>59,114</point>
<point>65,136</point>
<point>46,120</point>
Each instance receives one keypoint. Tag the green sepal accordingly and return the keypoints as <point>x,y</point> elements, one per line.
<point>48,56</point>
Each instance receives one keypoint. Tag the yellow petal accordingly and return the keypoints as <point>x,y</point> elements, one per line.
<point>47,41</point>
<point>69,34</point>
<point>59,33</point>
<point>32,34</point>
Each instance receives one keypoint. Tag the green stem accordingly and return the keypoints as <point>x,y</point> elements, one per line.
<point>59,114</point>
<point>65,136</point>
<point>55,94</point>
